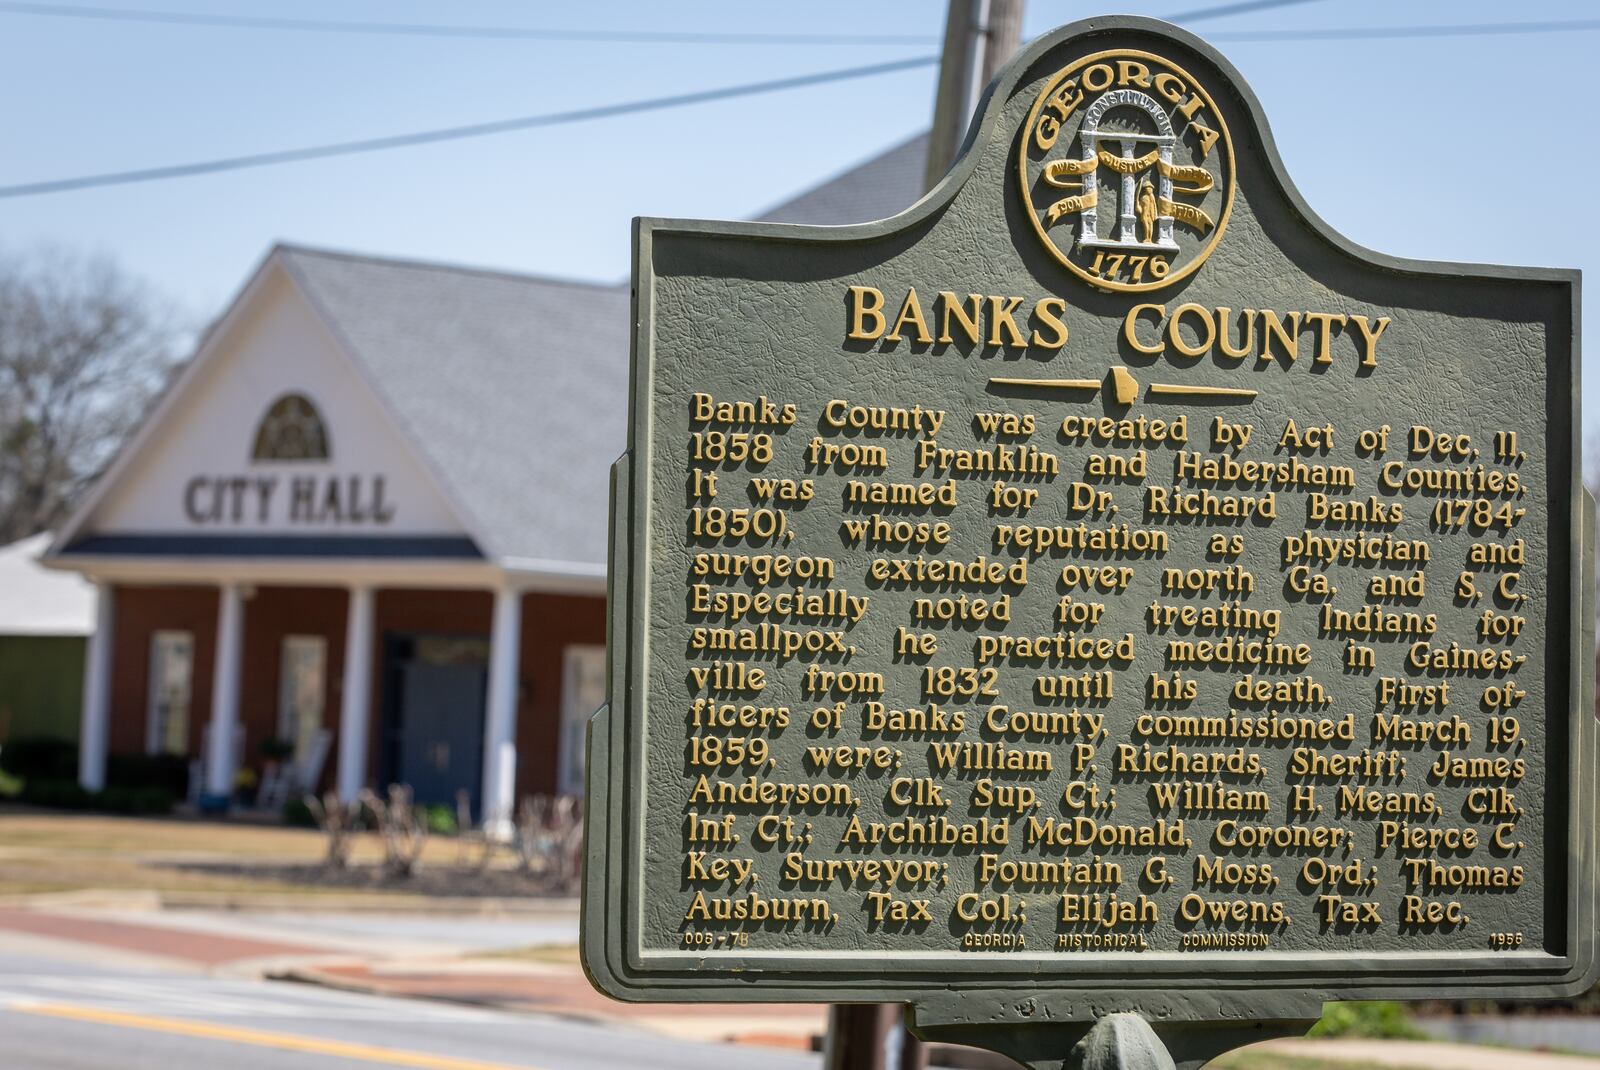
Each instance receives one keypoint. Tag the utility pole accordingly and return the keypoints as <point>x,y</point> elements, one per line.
<point>979,36</point>
<point>870,1036</point>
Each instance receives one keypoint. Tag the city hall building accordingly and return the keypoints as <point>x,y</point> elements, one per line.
<point>368,523</point>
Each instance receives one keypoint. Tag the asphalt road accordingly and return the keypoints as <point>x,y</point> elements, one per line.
<point>63,1015</point>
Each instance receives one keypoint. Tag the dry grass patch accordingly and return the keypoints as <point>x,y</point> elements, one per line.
<point>102,835</point>
<point>70,852</point>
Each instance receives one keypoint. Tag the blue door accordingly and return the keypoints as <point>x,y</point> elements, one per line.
<point>441,730</point>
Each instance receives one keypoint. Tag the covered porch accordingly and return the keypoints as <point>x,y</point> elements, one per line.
<point>448,676</point>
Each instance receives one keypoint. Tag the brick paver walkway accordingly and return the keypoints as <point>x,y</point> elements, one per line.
<point>202,949</point>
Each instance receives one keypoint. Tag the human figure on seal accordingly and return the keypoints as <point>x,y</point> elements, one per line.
<point>1145,205</point>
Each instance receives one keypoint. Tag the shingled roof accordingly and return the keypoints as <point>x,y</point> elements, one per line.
<point>514,387</point>
<point>885,185</point>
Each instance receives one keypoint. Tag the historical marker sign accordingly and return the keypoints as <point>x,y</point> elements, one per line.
<point>1100,587</point>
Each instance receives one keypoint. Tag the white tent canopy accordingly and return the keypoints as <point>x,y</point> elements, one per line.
<point>35,600</point>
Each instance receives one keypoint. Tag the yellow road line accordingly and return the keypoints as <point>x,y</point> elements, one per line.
<point>370,1053</point>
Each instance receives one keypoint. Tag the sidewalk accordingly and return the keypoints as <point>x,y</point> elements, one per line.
<point>203,950</point>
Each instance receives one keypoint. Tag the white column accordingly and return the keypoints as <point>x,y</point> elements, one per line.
<point>94,728</point>
<point>220,767</point>
<point>356,695</point>
<point>500,715</point>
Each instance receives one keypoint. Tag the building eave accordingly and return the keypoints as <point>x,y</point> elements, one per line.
<point>542,577</point>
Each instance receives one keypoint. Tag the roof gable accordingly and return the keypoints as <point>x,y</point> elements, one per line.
<point>191,470</point>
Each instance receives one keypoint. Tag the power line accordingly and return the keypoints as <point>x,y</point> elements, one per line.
<point>524,33</point>
<point>1238,8</point>
<point>414,29</point>
<point>456,133</point>
<point>1474,29</point>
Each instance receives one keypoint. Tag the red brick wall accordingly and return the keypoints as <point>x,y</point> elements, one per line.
<point>275,612</point>
<point>549,624</point>
<point>139,613</point>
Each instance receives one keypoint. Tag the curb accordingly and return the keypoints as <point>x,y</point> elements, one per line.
<point>456,906</point>
<point>304,974</point>
<point>312,976</point>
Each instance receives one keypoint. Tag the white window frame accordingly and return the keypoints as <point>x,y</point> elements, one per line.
<point>581,664</point>
<point>288,728</point>
<point>155,732</point>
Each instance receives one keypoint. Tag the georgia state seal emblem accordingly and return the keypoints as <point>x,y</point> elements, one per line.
<point>1127,170</point>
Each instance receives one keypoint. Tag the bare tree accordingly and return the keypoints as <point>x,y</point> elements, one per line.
<point>403,826</point>
<point>83,349</point>
<point>337,820</point>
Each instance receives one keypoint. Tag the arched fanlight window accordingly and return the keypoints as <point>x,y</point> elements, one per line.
<point>292,430</point>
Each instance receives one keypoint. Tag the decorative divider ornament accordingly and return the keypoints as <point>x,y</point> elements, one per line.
<point>1099,590</point>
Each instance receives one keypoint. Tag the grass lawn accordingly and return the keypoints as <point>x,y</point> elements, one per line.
<point>44,852</point>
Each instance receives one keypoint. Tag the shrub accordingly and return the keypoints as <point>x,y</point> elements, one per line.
<point>1377,1018</point>
<point>135,783</point>
<point>440,819</point>
<point>296,814</point>
<point>149,801</point>
<point>56,794</point>
<point>169,772</point>
<point>44,759</point>
<point>69,795</point>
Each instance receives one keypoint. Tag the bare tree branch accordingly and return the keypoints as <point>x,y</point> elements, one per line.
<point>84,347</point>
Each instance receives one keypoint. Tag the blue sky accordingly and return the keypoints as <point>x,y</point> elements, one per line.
<point>1401,144</point>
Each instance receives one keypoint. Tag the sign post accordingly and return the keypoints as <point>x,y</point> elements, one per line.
<point>1100,594</point>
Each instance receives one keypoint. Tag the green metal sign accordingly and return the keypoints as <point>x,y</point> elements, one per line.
<point>1100,587</point>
